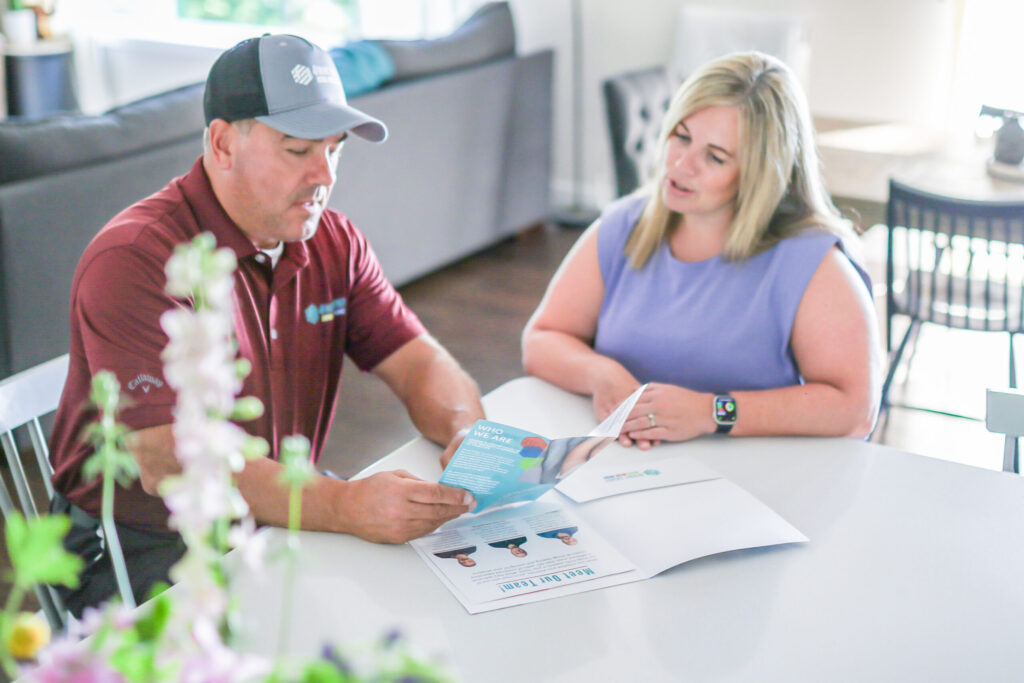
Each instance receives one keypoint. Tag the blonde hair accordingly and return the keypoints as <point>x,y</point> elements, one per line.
<point>780,188</point>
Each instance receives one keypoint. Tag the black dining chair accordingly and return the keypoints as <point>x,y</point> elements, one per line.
<point>955,263</point>
<point>635,102</point>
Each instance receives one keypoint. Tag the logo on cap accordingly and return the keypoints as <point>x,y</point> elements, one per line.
<point>302,74</point>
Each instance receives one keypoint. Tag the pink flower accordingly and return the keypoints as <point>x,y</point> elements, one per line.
<point>70,661</point>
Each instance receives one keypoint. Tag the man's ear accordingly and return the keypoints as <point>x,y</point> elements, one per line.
<point>222,143</point>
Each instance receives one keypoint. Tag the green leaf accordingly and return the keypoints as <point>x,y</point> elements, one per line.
<point>121,464</point>
<point>37,551</point>
<point>154,621</point>
<point>322,671</point>
<point>135,660</point>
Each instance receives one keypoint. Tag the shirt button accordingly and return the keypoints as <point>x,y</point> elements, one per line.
<point>261,257</point>
<point>273,334</point>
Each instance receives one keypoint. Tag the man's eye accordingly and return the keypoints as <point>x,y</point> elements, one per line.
<point>299,152</point>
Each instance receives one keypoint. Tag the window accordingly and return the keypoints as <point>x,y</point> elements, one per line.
<point>220,23</point>
<point>332,15</point>
<point>990,64</point>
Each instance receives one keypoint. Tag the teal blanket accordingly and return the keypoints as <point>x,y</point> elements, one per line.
<point>363,65</point>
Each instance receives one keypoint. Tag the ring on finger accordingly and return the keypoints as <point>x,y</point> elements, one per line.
<point>650,417</point>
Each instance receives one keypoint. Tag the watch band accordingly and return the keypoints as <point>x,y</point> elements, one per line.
<point>723,428</point>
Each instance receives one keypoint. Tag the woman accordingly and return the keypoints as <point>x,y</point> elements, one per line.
<point>724,283</point>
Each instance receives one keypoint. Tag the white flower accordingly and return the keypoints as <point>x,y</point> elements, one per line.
<point>200,365</point>
<point>251,545</point>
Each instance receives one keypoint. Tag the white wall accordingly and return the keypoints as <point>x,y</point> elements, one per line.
<point>871,60</point>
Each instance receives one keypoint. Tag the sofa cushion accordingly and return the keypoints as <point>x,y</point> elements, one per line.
<point>33,148</point>
<point>487,34</point>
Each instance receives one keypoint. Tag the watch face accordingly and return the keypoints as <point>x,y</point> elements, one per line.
<point>725,409</point>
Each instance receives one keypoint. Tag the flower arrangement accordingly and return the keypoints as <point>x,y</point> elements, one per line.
<point>184,633</point>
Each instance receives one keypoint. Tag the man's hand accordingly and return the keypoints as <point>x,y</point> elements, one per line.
<point>454,444</point>
<point>394,507</point>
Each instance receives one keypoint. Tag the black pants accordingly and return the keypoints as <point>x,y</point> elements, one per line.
<point>148,555</point>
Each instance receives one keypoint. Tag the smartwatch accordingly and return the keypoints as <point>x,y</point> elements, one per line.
<point>724,413</point>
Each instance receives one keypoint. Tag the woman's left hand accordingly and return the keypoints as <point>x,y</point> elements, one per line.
<point>678,415</point>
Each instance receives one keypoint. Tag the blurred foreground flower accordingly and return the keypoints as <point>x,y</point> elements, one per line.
<point>27,635</point>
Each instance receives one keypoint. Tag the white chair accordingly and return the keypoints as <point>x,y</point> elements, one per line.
<point>24,399</point>
<point>1004,414</point>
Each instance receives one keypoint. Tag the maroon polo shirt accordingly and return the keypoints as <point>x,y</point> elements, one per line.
<point>327,297</point>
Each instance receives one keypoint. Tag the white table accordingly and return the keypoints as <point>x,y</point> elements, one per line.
<point>914,571</point>
<point>859,161</point>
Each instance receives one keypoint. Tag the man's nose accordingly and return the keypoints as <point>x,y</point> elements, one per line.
<point>324,168</point>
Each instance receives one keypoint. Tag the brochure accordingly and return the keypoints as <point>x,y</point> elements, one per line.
<point>623,515</point>
<point>501,465</point>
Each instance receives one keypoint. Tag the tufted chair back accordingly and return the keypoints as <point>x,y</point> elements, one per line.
<point>636,101</point>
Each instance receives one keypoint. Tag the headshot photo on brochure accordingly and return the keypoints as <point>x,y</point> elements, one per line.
<point>565,535</point>
<point>460,555</point>
<point>514,545</point>
<point>728,283</point>
<point>562,457</point>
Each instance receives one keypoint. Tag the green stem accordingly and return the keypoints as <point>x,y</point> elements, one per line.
<point>294,519</point>
<point>110,535</point>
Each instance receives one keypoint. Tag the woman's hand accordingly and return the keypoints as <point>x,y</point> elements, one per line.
<point>678,415</point>
<point>613,386</point>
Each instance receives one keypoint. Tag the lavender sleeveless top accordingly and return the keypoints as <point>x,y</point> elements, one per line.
<point>711,326</point>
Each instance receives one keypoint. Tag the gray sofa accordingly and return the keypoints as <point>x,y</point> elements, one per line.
<point>467,164</point>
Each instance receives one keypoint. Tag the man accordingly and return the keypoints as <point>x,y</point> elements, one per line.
<point>308,290</point>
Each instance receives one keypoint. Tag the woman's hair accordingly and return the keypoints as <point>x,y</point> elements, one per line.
<point>780,187</point>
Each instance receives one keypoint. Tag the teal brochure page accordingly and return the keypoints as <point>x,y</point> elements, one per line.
<point>500,464</point>
<point>494,462</point>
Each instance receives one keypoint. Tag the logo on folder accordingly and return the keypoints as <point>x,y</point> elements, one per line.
<point>322,313</point>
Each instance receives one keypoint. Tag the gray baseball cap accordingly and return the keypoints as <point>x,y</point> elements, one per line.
<point>287,83</point>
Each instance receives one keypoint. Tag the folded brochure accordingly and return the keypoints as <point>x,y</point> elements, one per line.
<point>501,465</point>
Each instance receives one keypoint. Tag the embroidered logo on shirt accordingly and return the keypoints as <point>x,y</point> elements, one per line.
<point>144,382</point>
<point>322,313</point>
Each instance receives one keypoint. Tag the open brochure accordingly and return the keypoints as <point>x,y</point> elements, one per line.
<point>500,464</point>
<point>622,516</point>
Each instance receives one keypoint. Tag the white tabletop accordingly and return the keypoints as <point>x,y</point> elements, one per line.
<point>859,161</point>
<point>914,571</point>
